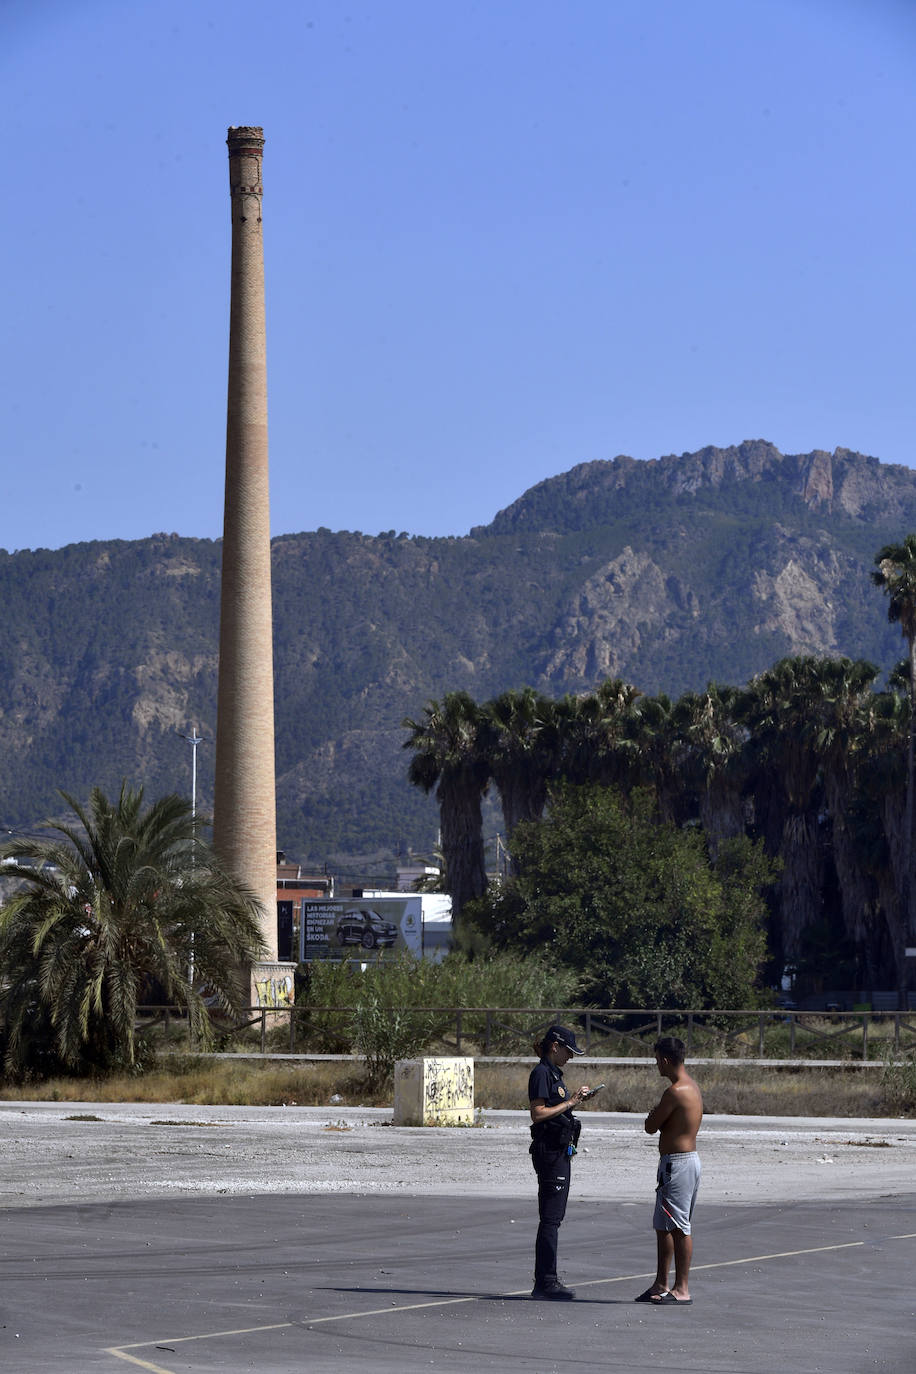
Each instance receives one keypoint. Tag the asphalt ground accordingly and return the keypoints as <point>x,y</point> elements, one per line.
<point>346,1283</point>
<point>407,1281</point>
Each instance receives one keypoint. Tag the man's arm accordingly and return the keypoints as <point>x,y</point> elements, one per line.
<point>660,1113</point>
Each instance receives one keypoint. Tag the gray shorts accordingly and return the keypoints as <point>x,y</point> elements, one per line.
<point>676,1191</point>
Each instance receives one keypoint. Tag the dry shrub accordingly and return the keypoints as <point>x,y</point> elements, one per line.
<point>732,1089</point>
<point>219,1083</point>
<point>898,1084</point>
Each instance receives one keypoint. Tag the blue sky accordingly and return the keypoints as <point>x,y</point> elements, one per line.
<point>501,238</point>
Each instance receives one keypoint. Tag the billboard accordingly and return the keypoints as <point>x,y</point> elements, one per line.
<point>360,927</point>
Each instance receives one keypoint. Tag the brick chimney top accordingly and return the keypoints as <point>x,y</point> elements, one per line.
<point>246,135</point>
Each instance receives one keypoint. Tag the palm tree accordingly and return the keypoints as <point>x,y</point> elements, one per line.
<point>595,735</point>
<point>895,574</point>
<point>875,827</point>
<point>775,707</point>
<point>809,720</point>
<point>657,754</point>
<point>712,760</point>
<point>522,748</point>
<point>120,900</point>
<point>450,754</point>
<point>841,728</point>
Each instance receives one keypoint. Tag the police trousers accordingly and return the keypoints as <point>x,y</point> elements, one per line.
<point>553,1169</point>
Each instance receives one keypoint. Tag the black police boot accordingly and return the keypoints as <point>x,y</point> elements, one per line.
<point>552,1290</point>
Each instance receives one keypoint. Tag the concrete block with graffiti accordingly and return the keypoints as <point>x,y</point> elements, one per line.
<point>434,1092</point>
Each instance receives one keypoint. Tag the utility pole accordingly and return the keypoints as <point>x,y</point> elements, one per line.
<point>195,740</point>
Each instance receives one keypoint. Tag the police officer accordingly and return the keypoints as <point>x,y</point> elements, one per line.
<point>554,1133</point>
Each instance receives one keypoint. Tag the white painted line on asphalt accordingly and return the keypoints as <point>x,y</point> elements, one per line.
<point>121,1352</point>
<point>132,1359</point>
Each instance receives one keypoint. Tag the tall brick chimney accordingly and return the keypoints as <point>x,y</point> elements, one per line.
<point>244,807</point>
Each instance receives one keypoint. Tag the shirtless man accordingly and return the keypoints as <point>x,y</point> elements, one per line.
<point>677,1119</point>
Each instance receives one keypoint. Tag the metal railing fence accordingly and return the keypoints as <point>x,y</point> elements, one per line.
<point>512,1031</point>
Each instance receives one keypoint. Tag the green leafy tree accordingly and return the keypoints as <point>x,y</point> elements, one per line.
<point>121,901</point>
<point>634,905</point>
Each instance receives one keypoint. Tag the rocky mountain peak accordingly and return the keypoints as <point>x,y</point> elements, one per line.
<point>598,492</point>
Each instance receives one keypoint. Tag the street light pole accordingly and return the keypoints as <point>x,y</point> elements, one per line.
<point>194,739</point>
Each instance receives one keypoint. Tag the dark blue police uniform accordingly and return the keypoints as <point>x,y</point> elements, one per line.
<point>552,1147</point>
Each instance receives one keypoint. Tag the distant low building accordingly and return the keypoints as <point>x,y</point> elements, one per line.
<point>409,875</point>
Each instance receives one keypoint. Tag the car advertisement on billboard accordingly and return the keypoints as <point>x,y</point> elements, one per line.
<point>361,928</point>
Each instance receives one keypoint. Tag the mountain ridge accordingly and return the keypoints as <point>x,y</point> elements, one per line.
<point>843,479</point>
<point>668,572</point>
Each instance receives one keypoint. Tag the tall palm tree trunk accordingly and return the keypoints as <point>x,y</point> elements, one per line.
<point>800,884</point>
<point>910,889</point>
<point>462,843</point>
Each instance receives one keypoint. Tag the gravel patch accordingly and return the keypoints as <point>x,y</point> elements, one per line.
<point>104,1152</point>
